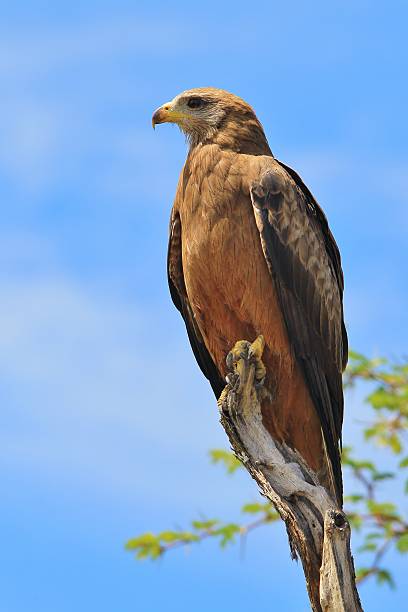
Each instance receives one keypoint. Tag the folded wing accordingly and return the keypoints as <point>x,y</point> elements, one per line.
<point>180,299</point>
<point>304,262</point>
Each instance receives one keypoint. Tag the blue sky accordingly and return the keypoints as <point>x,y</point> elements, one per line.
<point>106,421</point>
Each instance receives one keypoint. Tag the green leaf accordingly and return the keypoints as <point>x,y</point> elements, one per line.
<point>231,463</point>
<point>146,545</point>
<point>383,475</point>
<point>385,576</point>
<point>146,539</point>
<point>255,508</point>
<point>187,536</point>
<point>362,572</point>
<point>205,525</point>
<point>381,398</point>
<point>395,443</point>
<point>353,498</point>
<point>152,551</point>
<point>384,509</point>
<point>267,509</point>
<point>355,520</point>
<point>227,533</point>
<point>354,356</point>
<point>403,463</point>
<point>169,536</point>
<point>402,543</point>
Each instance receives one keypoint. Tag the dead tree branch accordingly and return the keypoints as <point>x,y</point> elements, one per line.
<point>318,530</point>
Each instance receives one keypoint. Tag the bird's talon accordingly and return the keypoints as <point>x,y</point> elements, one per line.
<point>257,347</point>
<point>240,357</point>
<point>240,351</point>
<point>255,355</point>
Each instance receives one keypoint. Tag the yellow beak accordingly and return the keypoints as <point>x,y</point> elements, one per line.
<point>161,115</point>
<point>165,114</point>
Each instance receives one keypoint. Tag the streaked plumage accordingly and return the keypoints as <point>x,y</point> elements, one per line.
<point>251,253</point>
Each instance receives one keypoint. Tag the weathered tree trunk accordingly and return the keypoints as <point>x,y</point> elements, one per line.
<point>318,530</point>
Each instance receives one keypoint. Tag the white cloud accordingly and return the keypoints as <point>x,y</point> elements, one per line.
<point>92,399</point>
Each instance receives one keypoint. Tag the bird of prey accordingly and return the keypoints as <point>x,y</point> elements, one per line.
<point>250,254</point>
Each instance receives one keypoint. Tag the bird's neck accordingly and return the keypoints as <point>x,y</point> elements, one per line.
<point>242,136</point>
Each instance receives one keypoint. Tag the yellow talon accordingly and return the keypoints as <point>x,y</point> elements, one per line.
<point>253,351</point>
<point>257,347</point>
<point>246,372</point>
<point>239,351</point>
<point>239,348</point>
<point>256,350</point>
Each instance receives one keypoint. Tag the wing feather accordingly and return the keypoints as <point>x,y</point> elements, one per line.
<point>180,299</point>
<point>304,261</point>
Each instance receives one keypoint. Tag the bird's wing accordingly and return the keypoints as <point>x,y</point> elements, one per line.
<point>180,299</point>
<point>331,248</point>
<point>304,262</point>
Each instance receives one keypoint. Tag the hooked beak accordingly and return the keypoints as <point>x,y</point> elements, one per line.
<point>166,114</point>
<point>162,115</point>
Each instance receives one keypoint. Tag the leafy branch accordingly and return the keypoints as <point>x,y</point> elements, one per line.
<point>152,546</point>
<point>381,525</point>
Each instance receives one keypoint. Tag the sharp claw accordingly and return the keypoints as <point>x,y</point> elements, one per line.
<point>244,350</point>
<point>240,351</point>
<point>246,371</point>
<point>257,347</point>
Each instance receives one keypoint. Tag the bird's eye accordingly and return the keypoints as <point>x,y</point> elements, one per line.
<point>195,103</point>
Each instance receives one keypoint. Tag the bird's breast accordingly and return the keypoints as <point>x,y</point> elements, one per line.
<point>232,293</point>
<point>227,279</point>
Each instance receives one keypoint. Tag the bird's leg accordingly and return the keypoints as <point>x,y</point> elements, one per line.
<point>255,355</point>
<point>246,371</point>
<point>244,350</point>
<point>235,360</point>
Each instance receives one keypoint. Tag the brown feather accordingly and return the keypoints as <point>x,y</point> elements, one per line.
<point>234,274</point>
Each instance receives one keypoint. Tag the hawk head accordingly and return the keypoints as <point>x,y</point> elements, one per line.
<point>206,114</point>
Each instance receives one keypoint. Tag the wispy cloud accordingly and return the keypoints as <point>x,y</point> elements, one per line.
<point>89,392</point>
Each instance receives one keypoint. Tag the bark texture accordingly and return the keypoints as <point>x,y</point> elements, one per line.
<point>318,530</point>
